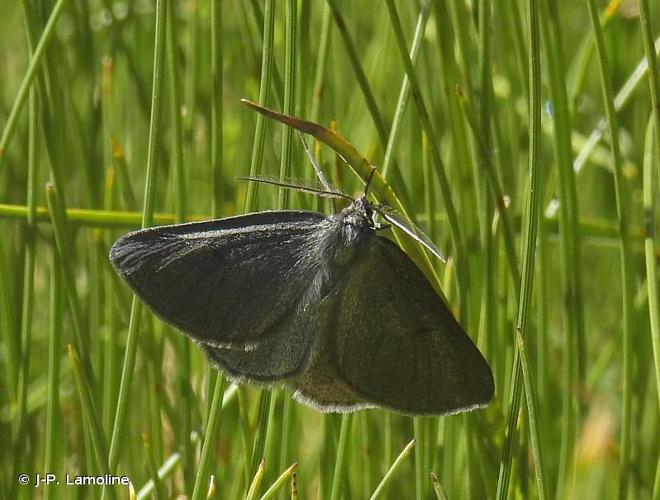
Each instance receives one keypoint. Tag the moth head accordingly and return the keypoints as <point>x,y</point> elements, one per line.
<point>364,207</point>
<point>357,220</point>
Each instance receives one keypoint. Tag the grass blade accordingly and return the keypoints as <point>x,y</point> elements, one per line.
<point>528,258</point>
<point>264,93</point>
<point>256,481</point>
<point>650,202</point>
<point>201,478</point>
<point>624,250</point>
<point>340,459</point>
<point>147,220</point>
<point>23,91</point>
<point>392,470</point>
<point>279,482</point>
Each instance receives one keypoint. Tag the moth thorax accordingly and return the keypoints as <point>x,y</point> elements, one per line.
<point>357,222</point>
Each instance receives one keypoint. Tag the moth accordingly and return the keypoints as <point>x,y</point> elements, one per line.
<point>324,305</point>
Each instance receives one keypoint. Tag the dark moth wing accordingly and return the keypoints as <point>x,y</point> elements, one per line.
<point>233,285</point>
<point>395,342</point>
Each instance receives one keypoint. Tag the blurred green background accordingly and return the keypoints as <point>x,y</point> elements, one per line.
<point>89,120</point>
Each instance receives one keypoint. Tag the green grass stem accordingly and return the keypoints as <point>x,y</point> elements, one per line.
<point>147,220</point>
<point>621,196</point>
<point>650,205</point>
<point>24,90</point>
<point>392,470</point>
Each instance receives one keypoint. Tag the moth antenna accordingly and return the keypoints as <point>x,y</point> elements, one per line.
<point>407,226</point>
<point>312,160</point>
<point>317,169</point>
<point>305,186</point>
